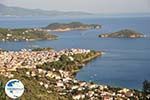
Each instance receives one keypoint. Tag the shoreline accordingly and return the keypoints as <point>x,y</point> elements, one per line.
<point>30,40</point>
<point>24,34</point>
<point>62,81</point>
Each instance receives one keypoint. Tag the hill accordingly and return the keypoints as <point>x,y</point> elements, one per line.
<point>126,33</point>
<point>71,26</point>
<point>17,11</point>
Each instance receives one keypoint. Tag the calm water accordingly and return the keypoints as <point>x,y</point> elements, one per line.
<point>126,62</point>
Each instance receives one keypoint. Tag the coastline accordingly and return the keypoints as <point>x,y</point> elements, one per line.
<point>62,82</point>
<point>30,40</point>
<point>25,34</point>
<point>63,27</point>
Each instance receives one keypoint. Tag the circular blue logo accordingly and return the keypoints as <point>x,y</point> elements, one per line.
<point>14,88</point>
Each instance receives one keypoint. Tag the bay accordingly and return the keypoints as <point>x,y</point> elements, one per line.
<point>126,62</point>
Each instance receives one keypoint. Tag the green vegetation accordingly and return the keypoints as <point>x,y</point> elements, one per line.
<point>33,91</point>
<point>63,63</point>
<point>66,62</point>
<point>2,92</point>
<point>146,87</point>
<point>84,57</point>
<point>42,49</point>
<point>126,33</point>
<point>24,35</point>
<point>72,26</point>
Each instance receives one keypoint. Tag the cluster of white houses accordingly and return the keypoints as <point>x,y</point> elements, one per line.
<point>59,81</point>
<point>66,85</point>
<point>10,60</point>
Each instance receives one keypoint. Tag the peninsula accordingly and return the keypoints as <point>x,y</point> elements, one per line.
<point>126,33</point>
<point>71,26</point>
<point>50,75</point>
<point>24,35</point>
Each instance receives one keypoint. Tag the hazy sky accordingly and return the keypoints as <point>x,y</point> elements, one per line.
<point>94,6</point>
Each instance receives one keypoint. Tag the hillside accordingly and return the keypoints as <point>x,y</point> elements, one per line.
<point>17,11</point>
<point>50,75</point>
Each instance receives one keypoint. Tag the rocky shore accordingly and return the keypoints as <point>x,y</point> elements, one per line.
<point>49,75</point>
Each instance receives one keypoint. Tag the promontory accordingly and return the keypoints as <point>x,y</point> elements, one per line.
<point>23,34</point>
<point>126,33</point>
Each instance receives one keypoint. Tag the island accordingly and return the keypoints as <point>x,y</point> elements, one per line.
<point>126,33</point>
<point>50,75</point>
<point>60,27</point>
<point>30,34</point>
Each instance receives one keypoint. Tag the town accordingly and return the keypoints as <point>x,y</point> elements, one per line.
<point>40,66</point>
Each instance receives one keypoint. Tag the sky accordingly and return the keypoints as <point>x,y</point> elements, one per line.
<point>92,6</point>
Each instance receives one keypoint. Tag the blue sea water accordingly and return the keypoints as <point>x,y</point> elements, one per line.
<point>126,62</point>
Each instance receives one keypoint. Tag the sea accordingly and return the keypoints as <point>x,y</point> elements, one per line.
<point>125,62</point>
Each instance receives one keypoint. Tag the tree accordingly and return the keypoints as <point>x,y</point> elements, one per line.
<point>2,93</point>
<point>146,87</point>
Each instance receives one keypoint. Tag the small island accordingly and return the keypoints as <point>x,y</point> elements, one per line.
<point>126,33</point>
<point>60,27</point>
<point>24,34</point>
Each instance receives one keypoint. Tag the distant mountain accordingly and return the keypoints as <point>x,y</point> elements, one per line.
<point>120,15</point>
<point>17,11</point>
